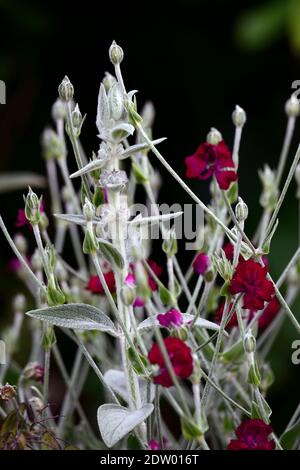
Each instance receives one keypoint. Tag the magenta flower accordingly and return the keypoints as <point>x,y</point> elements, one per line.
<point>209,160</point>
<point>201,263</point>
<point>252,434</point>
<point>171,318</point>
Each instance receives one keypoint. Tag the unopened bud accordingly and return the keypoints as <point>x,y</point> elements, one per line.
<point>108,81</point>
<point>116,53</point>
<point>55,296</point>
<point>249,343</point>
<point>34,371</point>
<point>169,245</point>
<point>66,90</point>
<point>90,243</point>
<point>128,294</point>
<point>58,110</point>
<point>214,137</point>
<point>49,338</point>
<point>76,117</point>
<point>21,243</point>
<point>32,207</point>
<point>241,210</point>
<point>51,144</point>
<point>292,106</point>
<point>7,392</point>
<point>19,303</point>
<point>239,116</point>
<point>88,210</point>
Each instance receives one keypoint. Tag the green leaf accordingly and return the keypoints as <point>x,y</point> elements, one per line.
<point>289,438</point>
<point>110,253</point>
<point>76,316</point>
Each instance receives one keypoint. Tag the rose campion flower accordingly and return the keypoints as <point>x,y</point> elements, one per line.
<point>228,249</point>
<point>209,160</point>
<point>201,263</point>
<point>153,444</point>
<point>249,278</point>
<point>96,287</point>
<point>180,356</point>
<point>171,318</point>
<point>252,434</point>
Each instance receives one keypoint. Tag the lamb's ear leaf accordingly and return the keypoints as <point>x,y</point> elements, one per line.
<point>110,253</point>
<point>116,421</point>
<point>76,317</point>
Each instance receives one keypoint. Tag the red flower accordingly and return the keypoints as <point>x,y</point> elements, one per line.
<point>252,434</point>
<point>201,263</point>
<point>269,313</point>
<point>96,287</point>
<point>249,278</point>
<point>180,357</point>
<point>229,252</point>
<point>209,160</point>
<point>170,319</point>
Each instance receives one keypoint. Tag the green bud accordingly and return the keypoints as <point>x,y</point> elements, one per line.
<point>135,363</point>
<point>169,245</point>
<point>55,296</point>
<point>90,243</point>
<point>66,90</point>
<point>76,117</point>
<point>292,106</point>
<point>116,53</point>
<point>239,116</point>
<point>49,338</point>
<point>165,295</point>
<point>52,145</point>
<point>254,375</point>
<point>241,210</point>
<point>190,429</point>
<point>128,294</point>
<point>32,207</point>
<point>249,343</point>
<point>88,210</point>
<point>98,197</point>
<point>222,266</point>
<point>214,137</point>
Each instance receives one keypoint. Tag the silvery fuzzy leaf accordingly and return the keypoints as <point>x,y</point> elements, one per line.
<point>110,253</point>
<point>102,108</point>
<point>116,101</point>
<point>14,181</point>
<point>138,220</point>
<point>76,316</point>
<point>76,219</point>
<point>116,421</point>
<point>121,131</point>
<point>138,147</point>
<point>116,379</point>
<point>150,322</point>
<point>91,166</point>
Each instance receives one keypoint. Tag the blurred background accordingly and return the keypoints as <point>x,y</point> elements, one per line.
<point>195,59</point>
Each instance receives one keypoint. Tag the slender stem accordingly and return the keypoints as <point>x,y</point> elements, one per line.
<point>285,148</point>
<point>27,269</point>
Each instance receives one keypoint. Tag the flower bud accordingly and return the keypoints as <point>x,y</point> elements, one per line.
<point>21,243</point>
<point>249,343</point>
<point>108,81</point>
<point>241,210</point>
<point>76,117</point>
<point>66,90</point>
<point>19,303</point>
<point>49,338</point>
<point>292,106</point>
<point>36,261</point>
<point>239,116</point>
<point>32,207</point>
<point>169,245</point>
<point>116,53</point>
<point>55,296</point>
<point>133,116</point>
<point>88,210</point>
<point>58,110</point>
<point>50,256</point>
<point>214,137</point>
<point>128,294</point>
<point>222,266</point>
<point>90,243</point>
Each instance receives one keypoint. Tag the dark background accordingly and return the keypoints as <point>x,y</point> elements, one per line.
<point>195,60</point>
